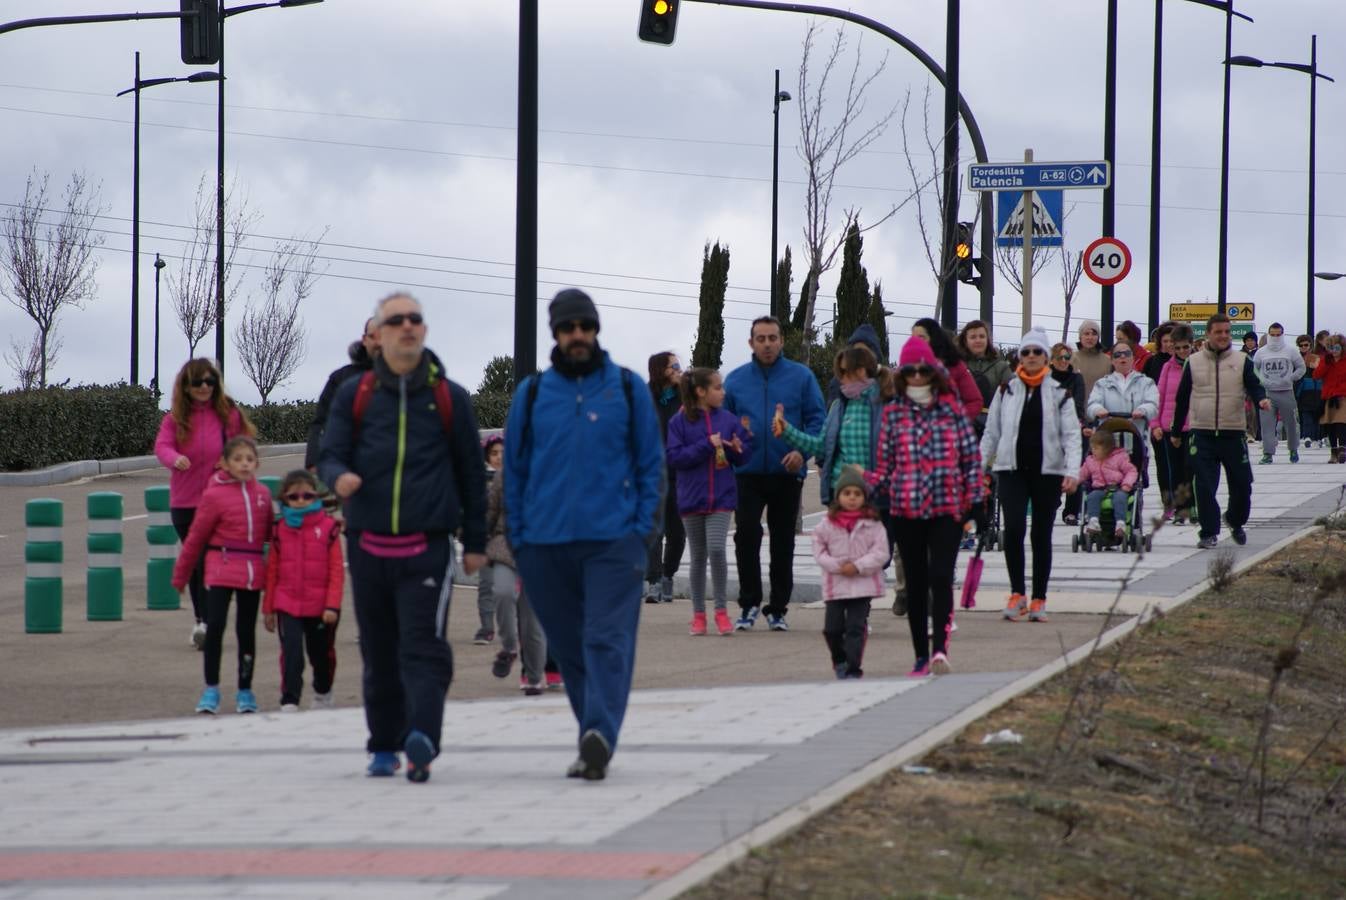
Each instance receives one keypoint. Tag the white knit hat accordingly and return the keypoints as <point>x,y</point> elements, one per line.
<point>1035,337</point>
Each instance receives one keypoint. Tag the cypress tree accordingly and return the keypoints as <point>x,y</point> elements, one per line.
<point>710,326</point>
<point>853,300</point>
<point>780,296</point>
<point>878,317</point>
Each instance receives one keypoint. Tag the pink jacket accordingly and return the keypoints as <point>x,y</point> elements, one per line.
<point>866,546</point>
<point>203,447</point>
<point>232,523</point>
<point>1116,469</point>
<point>1169,378</point>
<point>304,573</point>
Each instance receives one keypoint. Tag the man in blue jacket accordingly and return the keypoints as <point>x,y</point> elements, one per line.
<point>411,474</point>
<point>773,476</point>
<point>584,472</point>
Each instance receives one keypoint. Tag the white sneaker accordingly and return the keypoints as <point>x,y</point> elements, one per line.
<point>323,701</point>
<point>1094,526</point>
<point>289,707</point>
<point>199,635</point>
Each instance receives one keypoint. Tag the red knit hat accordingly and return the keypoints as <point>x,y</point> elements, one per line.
<point>916,352</point>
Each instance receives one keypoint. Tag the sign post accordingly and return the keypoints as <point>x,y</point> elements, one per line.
<point>1027,277</point>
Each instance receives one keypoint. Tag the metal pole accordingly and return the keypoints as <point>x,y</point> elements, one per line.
<point>219,210</point>
<point>1222,294</point>
<point>775,188</point>
<point>525,220</point>
<point>949,292</point>
<point>1027,262</point>
<point>135,233</point>
<point>1313,164</point>
<point>158,267</point>
<point>1152,312</point>
<point>1106,311</point>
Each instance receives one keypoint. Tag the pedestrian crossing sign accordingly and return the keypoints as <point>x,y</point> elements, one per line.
<point>1048,208</point>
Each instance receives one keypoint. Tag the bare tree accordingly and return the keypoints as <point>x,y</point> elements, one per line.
<point>1009,263</point>
<point>270,338</point>
<point>25,361</point>
<point>825,147</point>
<point>192,288</point>
<point>45,265</point>
<point>1072,267</point>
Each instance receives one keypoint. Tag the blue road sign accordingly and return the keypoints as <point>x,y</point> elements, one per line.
<point>1093,174</point>
<point>1048,218</point>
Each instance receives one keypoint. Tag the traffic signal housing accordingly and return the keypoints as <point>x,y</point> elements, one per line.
<point>658,21</point>
<point>200,32</point>
<point>965,267</point>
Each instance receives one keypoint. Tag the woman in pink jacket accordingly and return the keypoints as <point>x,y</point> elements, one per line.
<point>1181,502</point>
<point>851,546</point>
<point>231,527</point>
<point>191,438</point>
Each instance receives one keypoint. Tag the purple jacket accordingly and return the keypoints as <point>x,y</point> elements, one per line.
<point>704,486</point>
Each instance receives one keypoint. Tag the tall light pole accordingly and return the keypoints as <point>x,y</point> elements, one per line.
<point>219,171</point>
<point>1106,300</point>
<point>778,98</point>
<point>137,86</point>
<point>1310,70</point>
<point>1222,283</point>
<point>158,267</point>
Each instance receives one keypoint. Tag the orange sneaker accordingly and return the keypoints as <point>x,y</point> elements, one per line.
<point>723,623</point>
<point>1037,611</point>
<point>1015,608</point>
<point>698,623</point>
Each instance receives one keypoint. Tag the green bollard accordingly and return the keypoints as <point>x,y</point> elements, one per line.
<point>272,483</point>
<point>105,583</point>
<point>43,554</point>
<point>163,551</point>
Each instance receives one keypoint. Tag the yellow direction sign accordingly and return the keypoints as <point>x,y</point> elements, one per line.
<point>1199,312</point>
<point>1239,312</point>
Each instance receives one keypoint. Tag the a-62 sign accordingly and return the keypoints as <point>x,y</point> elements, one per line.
<point>1107,260</point>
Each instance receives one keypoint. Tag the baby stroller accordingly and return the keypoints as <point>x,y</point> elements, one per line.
<point>1127,432</point>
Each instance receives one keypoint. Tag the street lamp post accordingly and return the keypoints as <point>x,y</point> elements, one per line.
<point>778,98</point>
<point>1310,70</point>
<point>219,171</point>
<point>137,86</point>
<point>158,267</point>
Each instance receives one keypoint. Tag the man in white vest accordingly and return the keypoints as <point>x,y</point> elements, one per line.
<point>1214,385</point>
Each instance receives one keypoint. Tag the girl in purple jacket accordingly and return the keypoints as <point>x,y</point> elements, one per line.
<point>705,442</point>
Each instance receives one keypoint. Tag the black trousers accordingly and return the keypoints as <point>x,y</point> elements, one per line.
<point>182,517</point>
<point>846,628</point>
<point>1212,450</point>
<point>297,633</point>
<point>929,550</point>
<point>779,496</point>
<point>1016,490</point>
<point>1181,489</point>
<point>666,552</point>
<point>1163,471</point>
<point>1074,502</point>
<point>245,629</point>
<point>402,609</point>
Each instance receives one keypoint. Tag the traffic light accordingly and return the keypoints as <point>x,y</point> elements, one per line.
<point>200,32</point>
<point>964,265</point>
<point>658,20</point>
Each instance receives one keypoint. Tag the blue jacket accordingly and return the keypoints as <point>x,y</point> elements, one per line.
<point>581,470</point>
<point>414,476</point>
<point>752,392</point>
<point>702,485</point>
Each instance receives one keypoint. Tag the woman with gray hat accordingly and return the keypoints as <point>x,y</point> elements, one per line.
<point>1091,360</point>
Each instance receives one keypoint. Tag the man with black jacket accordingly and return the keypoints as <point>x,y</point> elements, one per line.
<point>361,353</point>
<point>401,449</point>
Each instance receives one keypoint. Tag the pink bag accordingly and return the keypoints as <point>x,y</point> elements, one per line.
<point>393,546</point>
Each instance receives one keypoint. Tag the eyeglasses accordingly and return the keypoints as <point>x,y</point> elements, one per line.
<point>396,319</point>
<point>916,371</point>
<point>210,381</point>
<point>1032,351</point>
<point>301,497</point>
<point>1121,354</point>
<point>568,327</point>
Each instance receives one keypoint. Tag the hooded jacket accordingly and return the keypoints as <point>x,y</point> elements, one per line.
<point>752,392</point>
<point>704,485</point>
<point>1060,429</point>
<point>1169,378</point>
<point>1279,364</point>
<point>1116,468</point>
<point>232,523</point>
<point>304,571</point>
<point>1118,394</point>
<point>415,478</point>
<point>203,447</point>
<point>866,545</point>
<point>360,363</point>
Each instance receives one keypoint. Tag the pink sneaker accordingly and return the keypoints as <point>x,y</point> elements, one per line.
<point>698,624</point>
<point>921,669</point>
<point>723,623</point>
<point>939,664</point>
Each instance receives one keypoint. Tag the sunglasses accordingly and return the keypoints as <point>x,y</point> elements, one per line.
<point>676,367</point>
<point>587,327</point>
<point>1335,348</point>
<point>203,382</point>
<point>916,371</point>
<point>1032,351</point>
<point>1064,357</point>
<point>1121,354</point>
<point>396,319</point>
<point>301,497</point>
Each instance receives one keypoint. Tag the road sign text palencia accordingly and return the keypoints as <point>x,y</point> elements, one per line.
<point>1090,174</point>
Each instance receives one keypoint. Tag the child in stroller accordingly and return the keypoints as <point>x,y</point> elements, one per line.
<point>1109,477</point>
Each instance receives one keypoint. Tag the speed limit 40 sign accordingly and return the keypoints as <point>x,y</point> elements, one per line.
<point>1107,260</point>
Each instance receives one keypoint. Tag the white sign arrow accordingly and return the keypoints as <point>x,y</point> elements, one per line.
<point>1097,175</point>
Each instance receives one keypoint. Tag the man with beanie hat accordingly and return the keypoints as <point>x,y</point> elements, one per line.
<point>584,480</point>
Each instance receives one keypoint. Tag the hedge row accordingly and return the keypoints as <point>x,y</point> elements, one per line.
<point>54,425</point>
<point>282,423</point>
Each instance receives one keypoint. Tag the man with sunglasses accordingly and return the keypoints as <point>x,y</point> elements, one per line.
<point>1214,386</point>
<point>584,481</point>
<point>411,475</point>
<point>1280,367</point>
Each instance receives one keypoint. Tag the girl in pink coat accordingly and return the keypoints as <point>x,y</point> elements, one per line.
<point>304,578</point>
<point>232,525</point>
<point>851,546</point>
<point>1107,467</point>
<point>191,438</point>
<point>1181,503</point>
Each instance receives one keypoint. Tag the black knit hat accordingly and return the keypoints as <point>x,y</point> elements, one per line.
<point>571,305</point>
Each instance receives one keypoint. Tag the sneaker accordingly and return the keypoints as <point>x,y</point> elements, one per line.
<point>245,701</point>
<point>899,602</point>
<point>1239,535</point>
<point>777,623</point>
<point>666,590</point>
<point>504,661</point>
<point>748,619</point>
<point>1094,526</point>
<point>209,704</point>
<point>1207,543</point>
<point>533,689</point>
<point>419,752</point>
<point>698,624</point>
<point>723,624</point>
<point>323,701</point>
<point>289,707</point>
<point>1037,611</point>
<point>968,543</point>
<point>652,592</point>
<point>842,670</point>
<point>592,764</point>
<point>1294,456</point>
<point>1072,519</point>
<point>1016,608</point>
<point>1120,532</point>
<point>554,681</point>
<point>383,764</point>
<point>1265,460</point>
<point>199,635</point>
<point>921,669</point>
<point>483,637</point>
<point>939,664</point>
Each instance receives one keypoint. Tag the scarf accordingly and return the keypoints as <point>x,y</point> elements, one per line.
<point>847,518</point>
<point>668,395</point>
<point>852,390</point>
<point>294,515</point>
<point>920,393</point>
<point>1032,381</point>
<point>570,369</point>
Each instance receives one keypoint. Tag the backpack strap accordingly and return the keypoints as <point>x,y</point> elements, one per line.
<point>444,404</point>
<point>530,400</point>
<point>364,392</point>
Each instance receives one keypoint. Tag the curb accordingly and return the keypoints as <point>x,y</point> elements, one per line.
<point>789,819</point>
<point>63,473</point>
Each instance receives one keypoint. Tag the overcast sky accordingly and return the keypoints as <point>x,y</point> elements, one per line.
<point>391,125</point>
